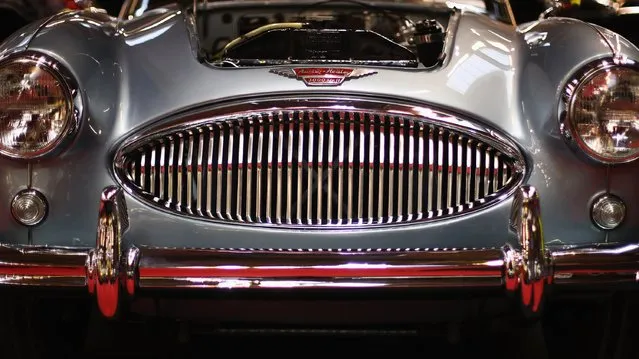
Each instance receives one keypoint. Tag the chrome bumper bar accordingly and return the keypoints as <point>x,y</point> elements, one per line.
<point>112,272</point>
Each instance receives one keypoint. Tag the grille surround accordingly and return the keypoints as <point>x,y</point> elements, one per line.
<point>430,117</point>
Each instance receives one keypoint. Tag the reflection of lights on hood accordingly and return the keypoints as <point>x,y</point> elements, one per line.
<point>500,36</point>
<point>76,18</point>
<point>477,45</point>
<point>468,71</point>
<point>494,54</point>
<point>499,46</point>
<point>145,34</point>
<point>535,38</point>
<point>133,41</point>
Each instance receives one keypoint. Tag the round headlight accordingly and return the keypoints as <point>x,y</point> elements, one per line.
<point>603,113</point>
<point>36,107</point>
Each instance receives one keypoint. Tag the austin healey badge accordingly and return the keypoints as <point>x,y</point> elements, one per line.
<point>323,76</point>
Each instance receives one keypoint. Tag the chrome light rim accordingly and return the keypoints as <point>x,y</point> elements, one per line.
<point>74,101</point>
<point>602,199</point>
<point>427,114</point>
<point>568,99</point>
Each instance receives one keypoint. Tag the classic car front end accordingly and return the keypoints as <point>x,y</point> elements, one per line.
<point>260,147</point>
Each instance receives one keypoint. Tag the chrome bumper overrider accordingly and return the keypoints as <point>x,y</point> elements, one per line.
<point>112,271</point>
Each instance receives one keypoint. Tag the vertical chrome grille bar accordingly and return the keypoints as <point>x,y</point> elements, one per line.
<point>228,170</point>
<point>250,171</point>
<point>289,173</point>
<point>240,165</point>
<point>468,171</point>
<point>330,169</point>
<point>133,172</point>
<point>486,169</point>
<point>189,173</point>
<point>445,169</point>
<point>169,191</point>
<point>504,173</point>
<point>278,185</point>
<point>477,171</point>
<point>351,158</point>
<point>400,170</point>
<point>383,166</point>
<point>457,150</point>
<point>142,171</point>
<point>420,173</point>
<point>360,170</point>
<point>152,174</point>
<point>209,173</point>
<point>439,167</point>
<point>390,194</point>
<point>309,166</point>
<point>494,171</point>
<point>269,170</point>
<point>411,168</point>
<point>300,169</point>
<point>162,169</point>
<point>180,171</point>
<point>340,174</point>
<point>219,170</point>
<point>200,169</point>
<point>449,171</point>
<point>320,174</point>
<point>432,155</point>
<point>259,169</point>
<point>372,140</point>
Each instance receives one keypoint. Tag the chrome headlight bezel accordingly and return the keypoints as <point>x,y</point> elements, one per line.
<point>73,97</point>
<point>568,99</point>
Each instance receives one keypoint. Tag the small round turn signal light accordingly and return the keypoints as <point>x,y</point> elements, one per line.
<point>29,207</point>
<point>608,212</point>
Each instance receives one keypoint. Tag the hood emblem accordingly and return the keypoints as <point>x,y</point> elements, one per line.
<point>323,76</point>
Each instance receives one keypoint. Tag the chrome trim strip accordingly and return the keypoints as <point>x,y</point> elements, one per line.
<point>597,264</point>
<point>65,267</point>
<point>329,141</point>
<point>449,40</point>
<point>42,266</point>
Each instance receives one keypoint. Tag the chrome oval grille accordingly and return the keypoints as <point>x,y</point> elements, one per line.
<point>320,163</point>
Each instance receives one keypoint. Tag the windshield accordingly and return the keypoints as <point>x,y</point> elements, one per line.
<point>497,9</point>
<point>242,33</point>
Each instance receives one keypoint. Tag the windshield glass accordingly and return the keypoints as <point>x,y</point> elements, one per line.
<point>496,9</point>
<point>405,33</point>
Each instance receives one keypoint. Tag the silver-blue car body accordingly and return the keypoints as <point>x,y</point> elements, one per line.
<point>175,166</point>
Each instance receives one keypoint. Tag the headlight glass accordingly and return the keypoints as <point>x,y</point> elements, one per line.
<point>604,114</point>
<point>35,108</point>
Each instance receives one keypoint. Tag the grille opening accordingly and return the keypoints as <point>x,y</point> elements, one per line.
<point>319,167</point>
